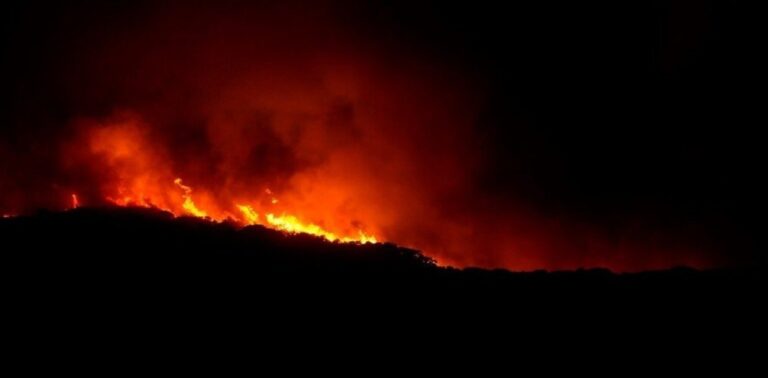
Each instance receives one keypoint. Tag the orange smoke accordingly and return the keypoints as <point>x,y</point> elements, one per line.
<point>301,120</point>
<point>138,173</point>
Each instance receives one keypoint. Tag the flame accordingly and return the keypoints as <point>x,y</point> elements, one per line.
<point>188,204</point>
<point>291,224</point>
<point>75,201</point>
<point>142,176</point>
<point>249,216</point>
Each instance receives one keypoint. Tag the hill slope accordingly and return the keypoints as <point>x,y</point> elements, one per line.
<point>128,242</point>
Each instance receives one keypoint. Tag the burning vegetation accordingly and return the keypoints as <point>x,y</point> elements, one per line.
<point>333,120</point>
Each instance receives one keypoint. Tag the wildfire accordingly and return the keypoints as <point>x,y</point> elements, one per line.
<point>141,174</point>
<point>291,224</point>
<point>188,204</point>
<point>248,215</point>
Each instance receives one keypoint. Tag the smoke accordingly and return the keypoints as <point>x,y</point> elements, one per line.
<point>250,107</point>
<point>292,109</point>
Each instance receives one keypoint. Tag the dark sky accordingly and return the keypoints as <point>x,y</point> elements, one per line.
<point>622,120</point>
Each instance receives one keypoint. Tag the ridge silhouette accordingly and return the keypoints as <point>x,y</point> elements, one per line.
<point>123,242</point>
<point>95,268</point>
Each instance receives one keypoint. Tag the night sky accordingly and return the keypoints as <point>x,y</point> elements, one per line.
<point>524,136</point>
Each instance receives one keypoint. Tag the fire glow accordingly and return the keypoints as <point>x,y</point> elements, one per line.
<point>292,118</point>
<point>140,178</point>
<point>248,216</point>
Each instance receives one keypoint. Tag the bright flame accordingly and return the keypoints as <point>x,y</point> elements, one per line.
<point>249,216</point>
<point>75,202</point>
<point>291,224</point>
<point>188,204</point>
<point>140,176</point>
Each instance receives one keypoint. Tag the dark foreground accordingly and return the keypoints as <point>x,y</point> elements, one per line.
<point>135,246</point>
<point>120,288</point>
<point>141,263</point>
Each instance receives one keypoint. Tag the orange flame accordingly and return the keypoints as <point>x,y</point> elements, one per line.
<point>140,173</point>
<point>284,222</point>
<point>291,224</point>
<point>188,204</point>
